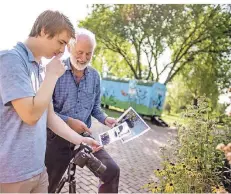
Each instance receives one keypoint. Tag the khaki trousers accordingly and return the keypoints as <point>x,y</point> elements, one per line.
<point>37,184</point>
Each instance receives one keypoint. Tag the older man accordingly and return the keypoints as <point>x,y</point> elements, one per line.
<point>76,98</point>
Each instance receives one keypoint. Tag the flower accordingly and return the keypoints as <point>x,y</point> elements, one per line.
<point>218,189</point>
<point>195,160</point>
<point>220,147</point>
<point>156,189</point>
<point>228,156</point>
<point>229,145</point>
<point>169,188</point>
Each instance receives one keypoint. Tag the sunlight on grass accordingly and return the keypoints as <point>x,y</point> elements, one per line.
<point>170,119</point>
<point>113,113</point>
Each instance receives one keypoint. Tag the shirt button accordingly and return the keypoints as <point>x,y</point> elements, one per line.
<point>78,101</point>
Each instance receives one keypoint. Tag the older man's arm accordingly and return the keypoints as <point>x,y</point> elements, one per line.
<point>97,111</point>
<point>58,126</point>
<point>75,124</point>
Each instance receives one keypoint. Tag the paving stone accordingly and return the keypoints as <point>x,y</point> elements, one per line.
<point>84,187</point>
<point>81,191</point>
<point>83,180</point>
<point>94,188</point>
<point>137,160</point>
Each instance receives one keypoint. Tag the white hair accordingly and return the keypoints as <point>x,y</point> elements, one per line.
<point>83,32</point>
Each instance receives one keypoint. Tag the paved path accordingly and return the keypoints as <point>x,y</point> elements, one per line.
<point>137,160</point>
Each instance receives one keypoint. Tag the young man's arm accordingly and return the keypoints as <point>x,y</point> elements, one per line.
<point>30,109</point>
<point>29,105</point>
<point>58,126</point>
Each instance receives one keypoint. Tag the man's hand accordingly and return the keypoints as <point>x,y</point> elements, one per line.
<point>110,122</point>
<point>93,143</point>
<point>78,126</point>
<point>56,67</point>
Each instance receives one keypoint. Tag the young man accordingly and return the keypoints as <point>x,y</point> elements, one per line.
<point>25,105</point>
<point>76,98</point>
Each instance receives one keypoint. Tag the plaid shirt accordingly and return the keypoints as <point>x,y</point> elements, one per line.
<point>78,100</point>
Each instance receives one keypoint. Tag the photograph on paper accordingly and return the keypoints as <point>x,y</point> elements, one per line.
<point>114,134</point>
<point>136,124</point>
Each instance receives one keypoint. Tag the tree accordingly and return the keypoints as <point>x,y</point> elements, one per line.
<point>103,57</point>
<point>200,77</point>
<point>138,35</point>
<point>206,35</point>
<point>190,85</point>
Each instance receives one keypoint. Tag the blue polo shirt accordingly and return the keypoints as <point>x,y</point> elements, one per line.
<point>22,147</point>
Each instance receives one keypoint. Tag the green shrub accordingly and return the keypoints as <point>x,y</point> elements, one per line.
<point>192,164</point>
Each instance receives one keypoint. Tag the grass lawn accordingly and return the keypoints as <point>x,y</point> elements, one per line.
<point>113,113</point>
<point>170,119</point>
